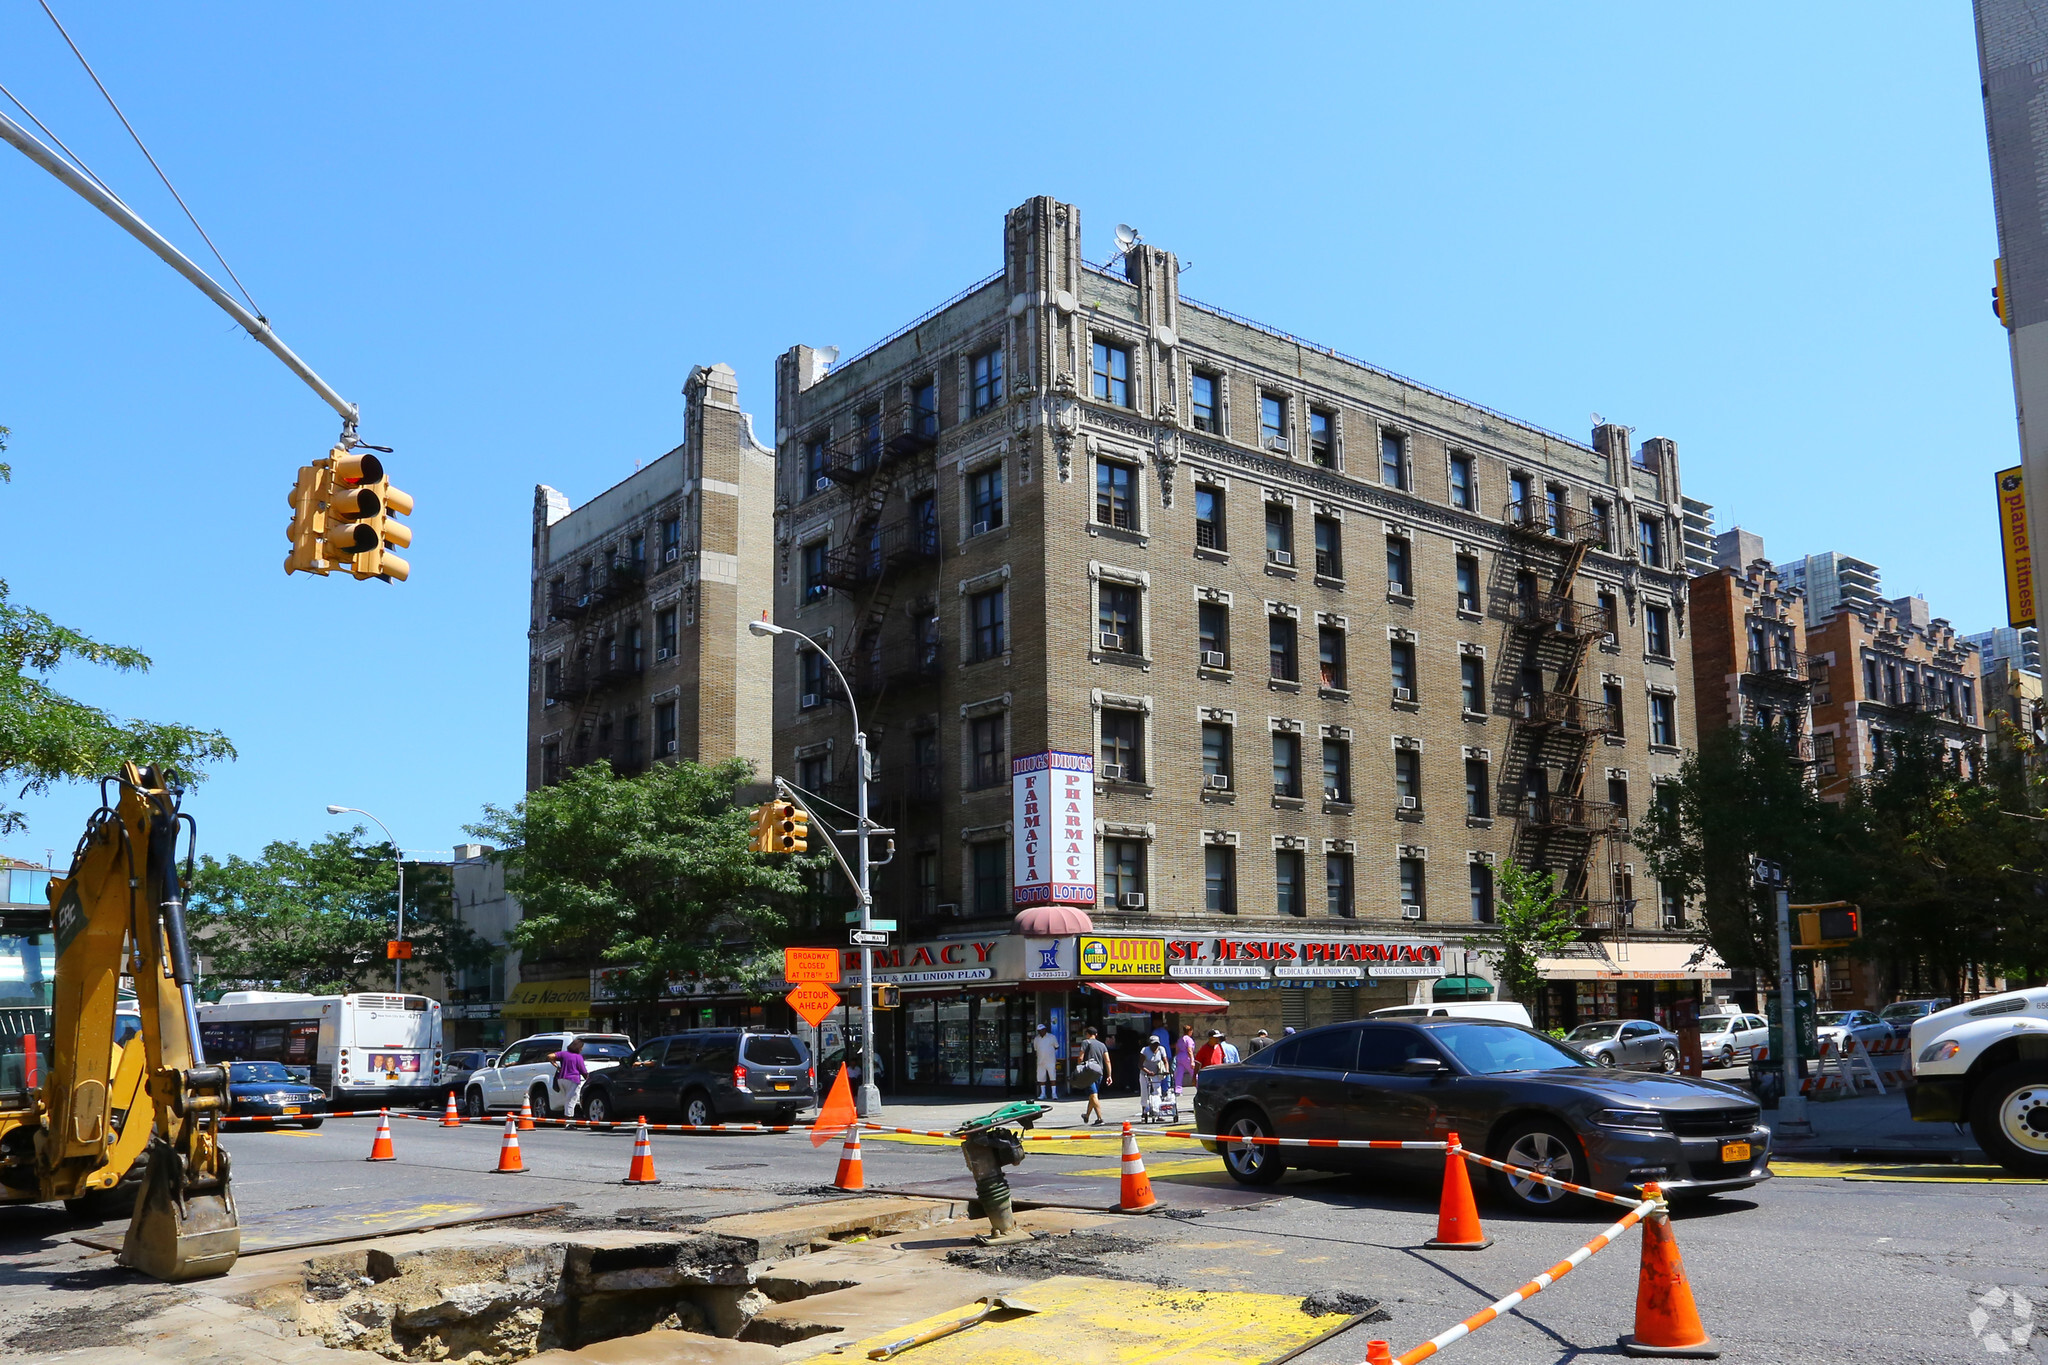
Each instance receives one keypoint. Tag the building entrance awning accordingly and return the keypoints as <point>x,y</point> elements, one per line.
<point>1171,996</point>
<point>1636,962</point>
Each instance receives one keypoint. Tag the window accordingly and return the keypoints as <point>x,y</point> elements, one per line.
<point>1280,647</point>
<point>1610,616</point>
<point>987,626</point>
<point>1113,502</point>
<point>1651,536</point>
<point>1822,695</point>
<point>671,540</point>
<point>1824,754</point>
<point>927,865</point>
<point>1111,374</point>
<point>1212,625</point>
<point>550,761</point>
<point>1657,629</point>
<point>1891,683</point>
<point>1663,719</point>
<point>1337,771</point>
<point>1123,745</point>
<point>1603,529</point>
<point>1330,658</point>
<point>1272,421</point>
<point>1463,493</point>
<point>1671,907</point>
<point>665,634</point>
<point>924,416</point>
<point>1202,402</point>
<point>1209,518</point>
<point>1968,703</point>
<point>1393,461</point>
<point>1123,872</point>
<point>1870,687</point>
<point>1520,507</point>
<point>1117,619</point>
<point>1878,757</point>
<point>814,463</point>
<point>1478,798</point>
<point>1408,778</point>
<point>985,743</point>
<point>1411,888</point>
<point>1219,879</point>
<point>1468,584</point>
<point>1482,893</point>
<point>985,373</point>
<point>1554,509</point>
<point>636,650</point>
<point>1320,447</point>
<point>1216,754</point>
<point>1337,882</point>
<point>1617,795</point>
<point>551,682</point>
<point>811,684</point>
<point>924,515</point>
<point>1616,723</point>
<point>1398,582</point>
<point>814,571</point>
<point>985,499</point>
<point>870,437</point>
<point>1286,764</point>
<point>815,772</point>
<point>665,728</point>
<point>1287,882</point>
<point>1329,548</point>
<point>991,878</point>
<point>1279,533</point>
<point>1472,684</point>
<point>1401,655</point>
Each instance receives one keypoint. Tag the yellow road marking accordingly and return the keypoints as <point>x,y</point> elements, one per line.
<point>1180,1167</point>
<point>1935,1174</point>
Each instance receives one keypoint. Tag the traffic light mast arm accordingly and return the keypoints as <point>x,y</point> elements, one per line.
<point>788,793</point>
<point>31,147</point>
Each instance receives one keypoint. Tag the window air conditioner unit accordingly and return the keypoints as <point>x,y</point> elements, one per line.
<point>980,528</point>
<point>1284,557</point>
<point>1219,782</point>
<point>949,907</point>
<point>670,747</point>
<point>1112,772</point>
<point>810,700</point>
<point>1410,803</point>
<point>1213,658</point>
<point>821,485</point>
<point>1110,641</point>
<point>549,702</point>
<point>1404,694</point>
<point>1282,789</point>
<point>669,556</point>
<point>1278,443</point>
<point>1410,910</point>
<point>661,654</point>
<point>1671,921</point>
<point>1132,900</point>
<point>1332,794</point>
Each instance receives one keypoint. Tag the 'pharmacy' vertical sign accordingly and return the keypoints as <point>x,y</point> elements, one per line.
<point>1052,816</point>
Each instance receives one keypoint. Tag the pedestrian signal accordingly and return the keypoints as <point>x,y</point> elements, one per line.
<point>888,997</point>
<point>1834,925</point>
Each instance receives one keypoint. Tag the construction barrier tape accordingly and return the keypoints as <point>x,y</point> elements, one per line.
<point>1361,1144</point>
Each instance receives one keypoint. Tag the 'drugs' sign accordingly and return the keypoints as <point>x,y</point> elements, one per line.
<point>1052,816</point>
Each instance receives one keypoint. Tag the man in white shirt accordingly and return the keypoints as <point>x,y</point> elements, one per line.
<point>1046,1050</point>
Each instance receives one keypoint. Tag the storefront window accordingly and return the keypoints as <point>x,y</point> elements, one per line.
<point>955,1055</point>
<point>920,1042</point>
<point>990,1060</point>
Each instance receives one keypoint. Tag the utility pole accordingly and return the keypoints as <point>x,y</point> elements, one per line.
<point>1792,1120</point>
<point>397,857</point>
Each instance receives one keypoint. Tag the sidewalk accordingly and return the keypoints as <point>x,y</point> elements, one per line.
<point>1874,1128</point>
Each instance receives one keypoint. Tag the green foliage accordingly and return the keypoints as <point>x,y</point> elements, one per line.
<point>316,918</point>
<point>1530,923</point>
<point>651,874</point>
<point>47,737</point>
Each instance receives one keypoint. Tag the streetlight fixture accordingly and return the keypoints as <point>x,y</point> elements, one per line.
<point>869,1101</point>
<point>398,857</point>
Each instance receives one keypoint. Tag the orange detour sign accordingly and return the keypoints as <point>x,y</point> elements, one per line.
<point>810,966</point>
<point>813,1003</point>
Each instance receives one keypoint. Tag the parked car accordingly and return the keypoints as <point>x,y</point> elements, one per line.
<point>1461,1009</point>
<point>523,1072</point>
<point>1728,1038</point>
<point>1636,1044</point>
<point>1507,1091</point>
<point>708,1076</point>
<point>458,1066</point>
<point>1866,1028</point>
<point>266,1089</point>
<point>1901,1015</point>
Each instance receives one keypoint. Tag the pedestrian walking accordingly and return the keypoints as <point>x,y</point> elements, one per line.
<point>1260,1042</point>
<point>570,1073</point>
<point>1184,1059</point>
<point>1230,1057</point>
<point>1155,1080</point>
<point>1211,1052</point>
<point>1092,1071</point>
<point>1046,1049</point>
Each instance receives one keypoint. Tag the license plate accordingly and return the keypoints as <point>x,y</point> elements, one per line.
<point>782,1085</point>
<point>1734,1151</point>
<point>289,1109</point>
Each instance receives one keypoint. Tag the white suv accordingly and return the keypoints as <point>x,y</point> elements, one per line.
<point>523,1072</point>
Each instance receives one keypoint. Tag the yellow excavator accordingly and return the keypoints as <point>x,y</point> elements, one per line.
<point>77,1127</point>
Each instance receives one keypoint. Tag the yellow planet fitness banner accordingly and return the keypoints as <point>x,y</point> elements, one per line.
<point>2019,553</point>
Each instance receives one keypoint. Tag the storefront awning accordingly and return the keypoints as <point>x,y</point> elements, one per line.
<point>1462,988</point>
<point>1635,962</point>
<point>1171,996</point>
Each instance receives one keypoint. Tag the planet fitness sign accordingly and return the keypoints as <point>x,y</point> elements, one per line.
<point>1052,814</point>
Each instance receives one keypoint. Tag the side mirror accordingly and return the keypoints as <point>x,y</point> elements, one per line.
<point>1422,1066</point>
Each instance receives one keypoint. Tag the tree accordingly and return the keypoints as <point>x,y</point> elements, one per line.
<point>316,917</point>
<point>47,737</point>
<point>650,874</point>
<point>1530,923</point>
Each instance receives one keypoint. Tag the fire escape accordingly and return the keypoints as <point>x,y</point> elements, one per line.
<point>603,658</point>
<point>1775,690</point>
<point>1558,827</point>
<point>867,565</point>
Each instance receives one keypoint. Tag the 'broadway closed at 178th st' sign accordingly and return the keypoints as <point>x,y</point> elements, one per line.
<point>1301,959</point>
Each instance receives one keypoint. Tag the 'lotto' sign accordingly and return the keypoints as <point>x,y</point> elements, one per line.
<point>1052,818</point>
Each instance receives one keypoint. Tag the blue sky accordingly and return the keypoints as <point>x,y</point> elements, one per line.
<point>508,231</point>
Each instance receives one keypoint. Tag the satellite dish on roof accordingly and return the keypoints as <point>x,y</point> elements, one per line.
<point>1598,420</point>
<point>1126,238</point>
<point>828,356</point>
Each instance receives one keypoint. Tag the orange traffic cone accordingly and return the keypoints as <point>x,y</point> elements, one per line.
<point>849,1176</point>
<point>1378,1353</point>
<point>1667,1321</point>
<point>641,1172</point>
<point>450,1118</point>
<point>380,1146</point>
<point>508,1151</point>
<point>1457,1219</point>
<point>1136,1194</point>
<point>526,1115</point>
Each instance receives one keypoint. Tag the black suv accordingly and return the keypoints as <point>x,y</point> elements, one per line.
<point>709,1075</point>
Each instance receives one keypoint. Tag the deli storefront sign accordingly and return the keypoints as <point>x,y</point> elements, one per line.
<point>1130,959</point>
<point>936,963</point>
<point>1236,958</point>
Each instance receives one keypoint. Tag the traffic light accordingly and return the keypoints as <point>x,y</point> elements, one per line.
<point>309,521</point>
<point>888,997</point>
<point>792,828</point>
<point>1834,925</point>
<point>762,840</point>
<point>360,509</point>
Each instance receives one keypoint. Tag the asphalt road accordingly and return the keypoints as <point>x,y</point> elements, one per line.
<point>1811,1269</point>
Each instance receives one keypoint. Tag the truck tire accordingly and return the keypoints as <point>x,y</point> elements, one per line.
<point>2009,1116</point>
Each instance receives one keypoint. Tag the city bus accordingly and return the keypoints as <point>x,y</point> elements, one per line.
<point>363,1051</point>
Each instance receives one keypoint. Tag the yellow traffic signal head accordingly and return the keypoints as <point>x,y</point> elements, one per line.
<point>308,521</point>
<point>762,839</point>
<point>792,830</point>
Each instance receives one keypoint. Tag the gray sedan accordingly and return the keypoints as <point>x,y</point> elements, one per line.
<point>1635,1044</point>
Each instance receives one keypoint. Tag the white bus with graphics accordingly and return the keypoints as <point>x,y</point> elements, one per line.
<point>364,1051</point>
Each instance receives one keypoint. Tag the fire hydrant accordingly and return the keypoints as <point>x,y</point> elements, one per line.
<point>988,1144</point>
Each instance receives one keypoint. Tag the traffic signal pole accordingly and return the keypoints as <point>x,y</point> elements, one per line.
<point>1792,1120</point>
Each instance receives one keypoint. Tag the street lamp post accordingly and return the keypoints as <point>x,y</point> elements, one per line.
<point>397,963</point>
<point>869,1101</point>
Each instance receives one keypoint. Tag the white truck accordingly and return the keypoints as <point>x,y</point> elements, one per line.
<point>1985,1063</point>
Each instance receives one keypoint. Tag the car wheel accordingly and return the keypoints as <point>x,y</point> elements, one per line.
<point>1727,1056</point>
<point>1540,1145</point>
<point>698,1110</point>
<point>310,1124</point>
<point>1250,1163</point>
<point>539,1098</point>
<point>1670,1060</point>
<point>2009,1116</point>
<point>1604,1058</point>
<point>599,1106</point>
<point>473,1103</point>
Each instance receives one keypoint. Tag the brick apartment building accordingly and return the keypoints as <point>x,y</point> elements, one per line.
<point>1749,655</point>
<point>1300,648</point>
<point>1873,667</point>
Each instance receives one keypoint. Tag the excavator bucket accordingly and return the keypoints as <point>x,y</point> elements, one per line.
<point>183,1228</point>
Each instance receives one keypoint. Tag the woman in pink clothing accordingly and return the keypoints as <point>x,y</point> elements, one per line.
<point>1184,1058</point>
